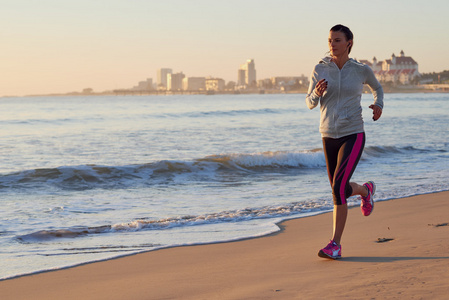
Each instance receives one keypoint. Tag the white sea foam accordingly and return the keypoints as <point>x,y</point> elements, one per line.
<point>306,159</point>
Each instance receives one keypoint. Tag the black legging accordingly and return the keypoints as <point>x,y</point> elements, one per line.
<point>342,156</point>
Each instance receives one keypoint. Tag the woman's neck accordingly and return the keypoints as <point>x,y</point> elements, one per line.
<point>340,60</point>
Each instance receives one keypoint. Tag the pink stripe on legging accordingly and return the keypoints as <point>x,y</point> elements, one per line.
<point>349,167</point>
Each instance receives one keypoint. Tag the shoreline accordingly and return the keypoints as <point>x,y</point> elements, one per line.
<point>387,90</point>
<point>262,235</point>
<point>278,265</point>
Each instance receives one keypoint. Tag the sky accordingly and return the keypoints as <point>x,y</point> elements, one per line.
<point>59,46</point>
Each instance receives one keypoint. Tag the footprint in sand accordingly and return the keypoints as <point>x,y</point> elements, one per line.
<point>384,240</point>
<point>439,225</point>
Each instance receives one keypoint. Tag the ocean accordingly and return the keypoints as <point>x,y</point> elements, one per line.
<point>89,178</point>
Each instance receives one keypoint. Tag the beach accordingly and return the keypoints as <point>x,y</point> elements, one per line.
<point>414,264</point>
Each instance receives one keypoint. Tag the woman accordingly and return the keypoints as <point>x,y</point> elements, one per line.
<point>337,83</point>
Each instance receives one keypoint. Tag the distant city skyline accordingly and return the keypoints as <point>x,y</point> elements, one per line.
<point>52,46</point>
<point>399,69</point>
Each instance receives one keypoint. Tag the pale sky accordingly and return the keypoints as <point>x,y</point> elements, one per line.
<point>58,46</point>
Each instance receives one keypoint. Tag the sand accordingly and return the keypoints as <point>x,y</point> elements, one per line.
<point>414,264</point>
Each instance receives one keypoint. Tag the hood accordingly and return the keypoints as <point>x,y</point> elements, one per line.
<point>328,60</point>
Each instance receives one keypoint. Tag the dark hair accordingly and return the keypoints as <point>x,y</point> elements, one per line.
<point>347,32</point>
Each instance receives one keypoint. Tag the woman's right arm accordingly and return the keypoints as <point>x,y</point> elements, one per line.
<point>313,94</point>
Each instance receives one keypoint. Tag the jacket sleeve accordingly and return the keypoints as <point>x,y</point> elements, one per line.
<point>374,85</point>
<point>312,99</point>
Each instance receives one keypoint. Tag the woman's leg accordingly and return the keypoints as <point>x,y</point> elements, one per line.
<point>349,152</point>
<point>358,189</point>
<point>341,212</point>
<point>339,220</point>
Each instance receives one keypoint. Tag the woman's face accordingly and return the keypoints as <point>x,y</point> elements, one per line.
<point>338,44</point>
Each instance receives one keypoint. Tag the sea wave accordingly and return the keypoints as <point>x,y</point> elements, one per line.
<point>156,115</point>
<point>226,113</point>
<point>382,150</point>
<point>84,177</point>
<point>247,214</point>
<point>99,176</point>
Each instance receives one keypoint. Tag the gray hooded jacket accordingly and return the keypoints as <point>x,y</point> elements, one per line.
<point>341,111</point>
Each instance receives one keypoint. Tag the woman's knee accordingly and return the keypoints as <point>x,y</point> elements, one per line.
<point>340,195</point>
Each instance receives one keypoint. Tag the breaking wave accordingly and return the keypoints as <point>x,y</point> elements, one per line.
<point>283,211</point>
<point>207,168</point>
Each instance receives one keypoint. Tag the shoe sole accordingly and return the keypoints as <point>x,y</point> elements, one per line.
<point>324,255</point>
<point>372,197</point>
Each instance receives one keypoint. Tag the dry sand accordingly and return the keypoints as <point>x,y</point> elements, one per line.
<point>414,265</point>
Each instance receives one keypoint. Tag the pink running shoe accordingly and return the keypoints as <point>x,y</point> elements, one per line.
<point>367,204</point>
<point>332,250</point>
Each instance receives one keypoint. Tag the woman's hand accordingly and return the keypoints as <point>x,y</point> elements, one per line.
<point>377,111</point>
<point>321,87</point>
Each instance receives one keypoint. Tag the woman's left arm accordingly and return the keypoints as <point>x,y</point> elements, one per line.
<point>377,111</point>
<point>378,93</point>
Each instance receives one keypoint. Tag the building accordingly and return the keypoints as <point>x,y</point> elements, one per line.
<point>162,76</point>
<point>399,69</point>
<point>174,81</point>
<point>194,84</point>
<point>146,85</point>
<point>374,65</point>
<point>289,81</point>
<point>247,74</point>
<point>241,77</point>
<point>215,84</point>
<point>264,84</point>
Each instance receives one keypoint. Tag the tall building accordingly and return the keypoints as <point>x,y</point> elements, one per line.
<point>162,76</point>
<point>174,81</point>
<point>241,77</point>
<point>247,74</point>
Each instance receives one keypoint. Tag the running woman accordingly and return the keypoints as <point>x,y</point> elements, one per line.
<point>336,83</point>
